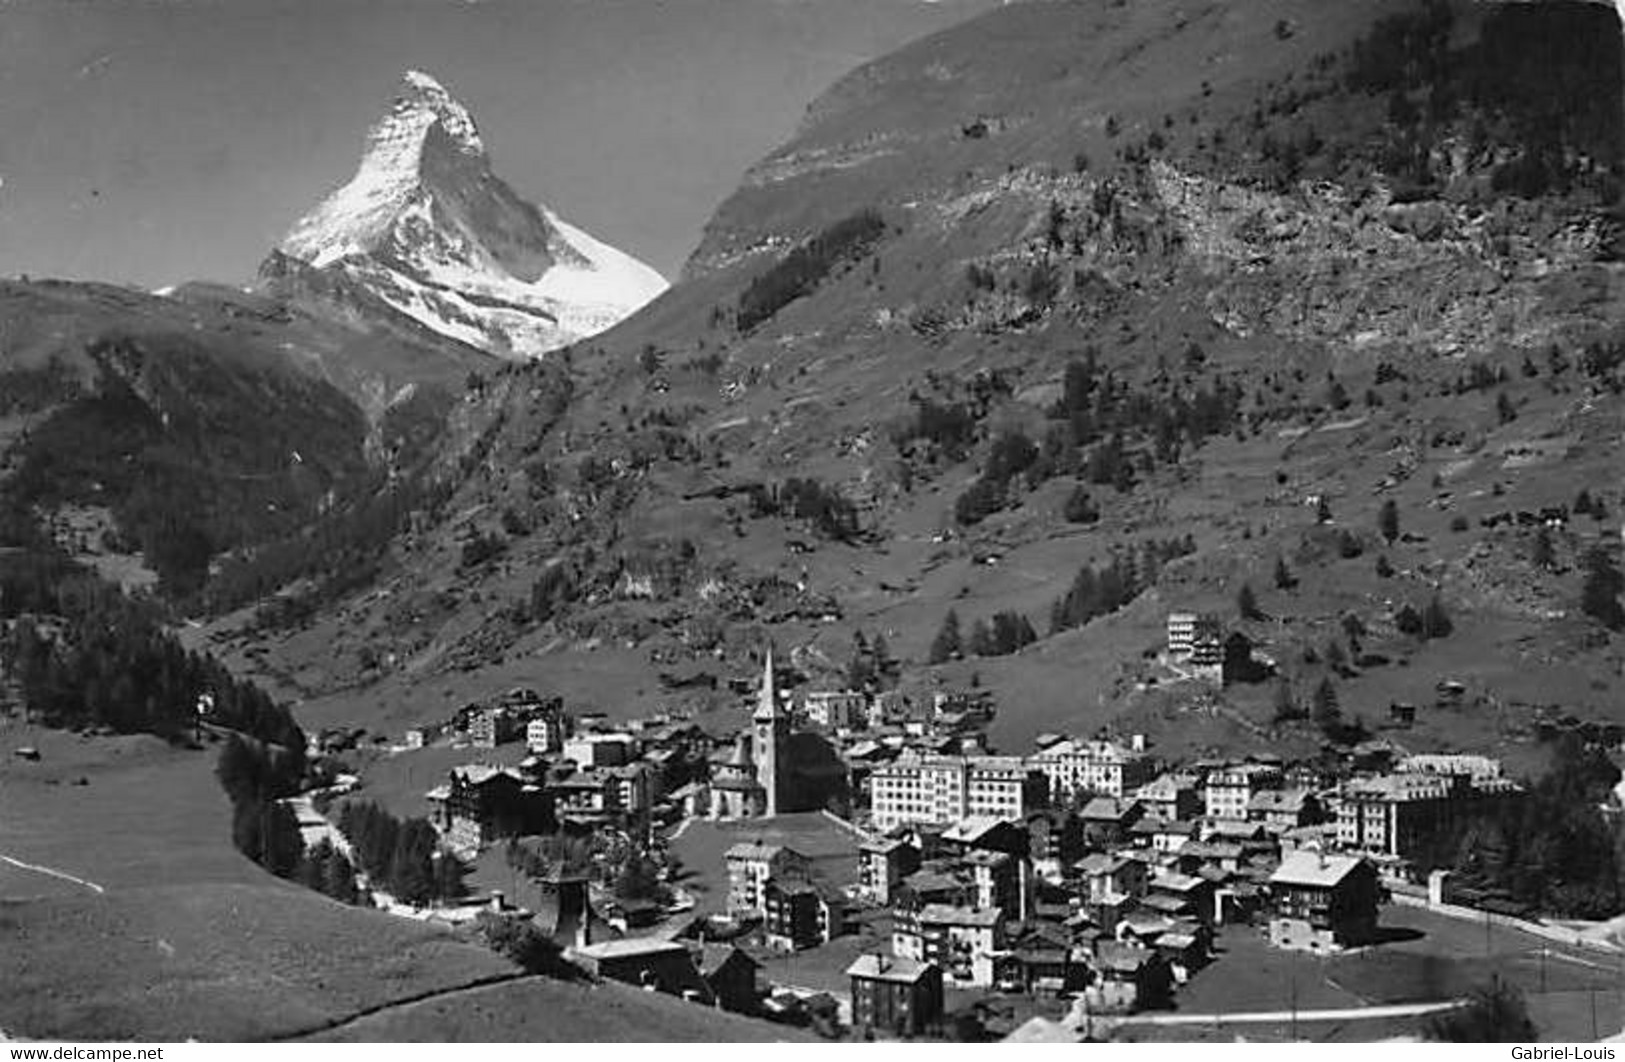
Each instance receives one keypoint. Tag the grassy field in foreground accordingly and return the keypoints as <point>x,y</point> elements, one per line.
<point>214,962</point>
<point>539,1010</point>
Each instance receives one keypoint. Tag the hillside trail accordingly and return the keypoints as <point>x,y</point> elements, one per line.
<point>432,995</point>
<point>53,872</point>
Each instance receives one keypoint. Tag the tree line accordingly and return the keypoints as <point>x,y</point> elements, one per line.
<point>803,269</point>
<point>85,654</point>
<point>403,857</point>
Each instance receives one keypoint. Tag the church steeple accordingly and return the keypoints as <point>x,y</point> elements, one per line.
<point>771,733</point>
<point>767,698</point>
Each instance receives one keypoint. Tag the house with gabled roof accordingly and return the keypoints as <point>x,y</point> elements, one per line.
<point>1323,902</point>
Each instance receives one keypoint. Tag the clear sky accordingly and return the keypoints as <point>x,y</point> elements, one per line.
<point>154,141</point>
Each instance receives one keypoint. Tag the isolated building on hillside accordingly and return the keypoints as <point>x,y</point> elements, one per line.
<point>895,996</point>
<point>1323,902</point>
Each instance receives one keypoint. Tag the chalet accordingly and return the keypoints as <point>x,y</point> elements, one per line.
<point>1107,820</point>
<point>1171,797</point>
<point>732,976</point>
<point>647,962</point>
<point>1182,896</point>
<point>895,996</point>
<point>1110,879</point>
<point>586,795</point>
<point>1162,835</point>
<point>1130,978</point>
<point>1185,949</point>
<point>986,833</point>
<point>1041,959</point>
<point>1284,809</point>
<point>882,865</point>
<point>932,883</point>
<point>479,804</point>
<point>1323,902</point>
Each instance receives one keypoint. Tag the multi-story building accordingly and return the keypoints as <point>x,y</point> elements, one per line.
<point>600,750</point>
<point>1192,634</point>
<point>1110,879</point>
<point>479,804</point>
<point>1171,796</point>
<point>490,727</point>
<point>545,733</point>
<point>882,865</point>
<point>751,866</point>
<point>836,709</point>
<point>1229,789</point>
<point>1477,768</point>
<point>902,997</point>
<point>965,942</point>
<point>1284,809</point>
<point>1323,902</point>
<point>1099,767</point>
<point>1054,842</point>
<point>936,789</point>
<point>797,914</point>
<point>1403,814</point>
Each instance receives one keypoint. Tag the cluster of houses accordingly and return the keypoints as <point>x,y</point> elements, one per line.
<point>1115,885</point>
<point>1086,866</point>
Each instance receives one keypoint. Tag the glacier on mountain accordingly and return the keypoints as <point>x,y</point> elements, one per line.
<point>427,227</point>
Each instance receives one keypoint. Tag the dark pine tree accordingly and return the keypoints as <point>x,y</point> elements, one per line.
<point>1599,595</point>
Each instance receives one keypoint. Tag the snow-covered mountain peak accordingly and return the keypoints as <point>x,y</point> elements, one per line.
<point>427,226</point>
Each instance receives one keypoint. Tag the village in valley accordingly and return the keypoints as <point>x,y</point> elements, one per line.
<point>862,863</point>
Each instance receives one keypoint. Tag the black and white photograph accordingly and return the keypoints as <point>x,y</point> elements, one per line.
<point>916,522</point>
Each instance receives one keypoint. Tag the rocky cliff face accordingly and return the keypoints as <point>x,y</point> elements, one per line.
<point>427,227</point>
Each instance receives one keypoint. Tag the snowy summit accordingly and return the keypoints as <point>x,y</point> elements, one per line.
<point>426,226</point>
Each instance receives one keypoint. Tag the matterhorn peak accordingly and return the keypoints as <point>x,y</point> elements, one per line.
<point>427,226</point>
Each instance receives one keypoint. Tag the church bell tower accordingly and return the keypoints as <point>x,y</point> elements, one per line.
<point>771,732</point>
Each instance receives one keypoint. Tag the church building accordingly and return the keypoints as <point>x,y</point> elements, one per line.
<point>753,781</point>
